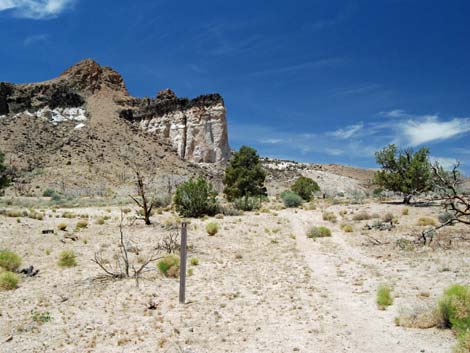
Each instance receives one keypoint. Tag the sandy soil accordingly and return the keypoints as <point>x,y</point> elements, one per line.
<point>261,286</point>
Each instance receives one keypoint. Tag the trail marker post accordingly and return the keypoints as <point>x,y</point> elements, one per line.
<point>184,239</point>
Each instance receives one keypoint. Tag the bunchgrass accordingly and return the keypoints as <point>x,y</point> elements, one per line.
<point>384,296</point>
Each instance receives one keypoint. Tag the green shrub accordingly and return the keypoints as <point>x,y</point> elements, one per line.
<point>49,193</point>
<point>8,280</point>
<point>169,266</point>
<point>305,188</point>
<point>384,296</point>
<point>100,221</point>
<point>247,203</point>
<point>212,228</point>
<point>195,198</point>
<point>291,199</point>
<point>67,258</point>
<point>318,232</point>
<point>426,221</point>
<point>454,308</point>
<point>347,228</point>
<point>9,260</point>
<point>329,216</point>
<point>194,261</point>
<point>62,226</point>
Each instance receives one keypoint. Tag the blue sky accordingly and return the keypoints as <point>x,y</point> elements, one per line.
<point>318,81</point>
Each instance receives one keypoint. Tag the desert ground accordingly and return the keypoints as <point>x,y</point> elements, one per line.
<point>261,285</point>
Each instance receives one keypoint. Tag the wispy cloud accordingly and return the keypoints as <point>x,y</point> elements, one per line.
<point>313,64</point>
<point>348,131</point>
<point>36,9</point>
<point>37,38</point>
<point>397,113</point>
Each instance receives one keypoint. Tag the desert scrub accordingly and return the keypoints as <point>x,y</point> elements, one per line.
<point>318,232</point>
<point>9,260</point>
<point>8,280</point>
<point>347,228</point>
<point>81,224</point>
<point>62,226</point>
<point>387,218</point>
<point>67,258</point>
<point>384,296</point>
<point>329,216</point>
<point>291,199</point>
<point>212,228</point>
<point>195,198</point>
<point>169,266</point>
<point>445,217</point>
<point>405,211</point>
<point>194,261</point>
<point>361,216</point>
<point>14,213</point>
<point>68,214</point>
<point>100,220</point>
<point>454,308</point>
<point>417,317</point>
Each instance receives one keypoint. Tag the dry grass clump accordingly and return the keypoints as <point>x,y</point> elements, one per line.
<point>318,232</point>
<point>194,261</point>
<point>67,258</point>
<point>212,228</point>
<point>361,216</point>
<point>62,226</point>
<point>426,221</point>
<point>347,228</point>
<point>9,260</point>
<point>387,218</point>
<point>81,225</point>
<point>405,211</point>
<point>463,345</point>
<point>169,266</point>
<point>417,317</point>
<point>14,213</point>
<point>384,296</point>
<point>329,216</point>
<point>100,221</point>
<point>68,214</point>
<point>8,280</point>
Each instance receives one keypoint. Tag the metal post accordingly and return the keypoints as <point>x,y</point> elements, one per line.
<point>184,236</point>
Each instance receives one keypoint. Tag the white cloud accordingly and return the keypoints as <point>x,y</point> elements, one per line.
<point>36,9</point>
<point>397,113</point>
<point>348,131</point>
<point>430,128</point>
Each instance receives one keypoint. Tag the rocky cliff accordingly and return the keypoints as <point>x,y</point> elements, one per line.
<point>196,128</point>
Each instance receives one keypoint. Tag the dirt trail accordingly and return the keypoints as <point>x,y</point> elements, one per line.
<point>346,282</point>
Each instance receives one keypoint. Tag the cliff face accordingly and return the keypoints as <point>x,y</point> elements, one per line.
<point>196,128</point>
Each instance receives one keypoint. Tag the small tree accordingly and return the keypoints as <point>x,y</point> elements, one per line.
<point>146,203</point>
<point>305,187</point>
<point>195,198</point>
<point>4,174</point>
<point>404,171</point>
<point>245,176</point>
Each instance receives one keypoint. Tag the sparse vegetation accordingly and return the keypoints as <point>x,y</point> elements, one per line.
<point>384,296</point>
<point>62,226</point>
<point>4,177</point>
<point>361,216</point>
<point>41,317</point>
<point>247,204</point>
<point>212,228</point>
<point>82,224</point>
<point>347,228</point>
<point>195,198</point>
<point>318,232</point>
<point>405,211</point>
<point>67,258</point>
<point>194,261</point>
<point>8,280</point>
<point>463,343</point>
<point>169,266</point>
<point>9,261</point>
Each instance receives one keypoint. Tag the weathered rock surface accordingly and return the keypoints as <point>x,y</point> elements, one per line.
<point>196,128</point>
